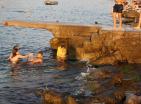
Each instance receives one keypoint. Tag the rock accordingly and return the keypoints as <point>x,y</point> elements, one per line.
<point>131,14</point>
<point>51,97</point>
<point>96,22</point>
<point>106,60</point>
<point>89,42</point>
<point>76,41</point>
<point>93,100</point>
<point>117,79</point>
<point>95,86</point>
<point>88,46</point>
<point>119,95</point>
<point>100,74</point>
<point>117,47</point>
<point>129,85</point>
<point>109,100</point>
<point>54,42</point>
<point>71,100</point>
<point>133,99</point>
<point>90,56</point>
<point>128,21</point>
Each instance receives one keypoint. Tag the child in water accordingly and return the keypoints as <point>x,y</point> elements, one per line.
<point>61,53</point>
<point>117,12</point>
<point>36,60</point>
<point>15,56</point>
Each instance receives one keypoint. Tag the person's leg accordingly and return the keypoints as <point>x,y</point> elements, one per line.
<point>114,19</point>
<point>120,20</point>
<point>139,24</point>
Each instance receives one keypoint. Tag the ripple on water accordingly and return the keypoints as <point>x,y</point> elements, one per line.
<point>18,83</point>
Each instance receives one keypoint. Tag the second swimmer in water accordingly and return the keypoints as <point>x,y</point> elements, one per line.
<point>36,59</point>
<point>15,56</point>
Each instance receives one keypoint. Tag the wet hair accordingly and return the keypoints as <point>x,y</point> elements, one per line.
<point>16,47</point>
<point>40,52</point>
<point>14,51</point>
<point>63,45</point>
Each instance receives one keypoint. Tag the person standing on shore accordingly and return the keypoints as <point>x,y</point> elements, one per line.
<point>138,8</point>
<point>117,13</point>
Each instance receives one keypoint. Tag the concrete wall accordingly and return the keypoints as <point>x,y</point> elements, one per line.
<point>102,46</point>
<point>90,42</point>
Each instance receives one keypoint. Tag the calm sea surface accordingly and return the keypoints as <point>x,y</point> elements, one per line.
<point>19,83</point>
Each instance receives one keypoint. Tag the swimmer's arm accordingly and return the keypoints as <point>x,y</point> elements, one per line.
<point>36,61</point>
<point>23,56</point>
<point>10,56</point>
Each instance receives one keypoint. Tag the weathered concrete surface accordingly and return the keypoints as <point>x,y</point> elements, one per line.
<point>106,47</point>
<point>63,30</point>
<point>89,42</point>
<point>118,46</point>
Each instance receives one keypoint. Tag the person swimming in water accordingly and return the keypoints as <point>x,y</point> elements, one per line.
<point>38,59</point>
<point>15,56</point>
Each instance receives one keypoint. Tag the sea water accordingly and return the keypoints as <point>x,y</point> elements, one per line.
<point>18,83</point>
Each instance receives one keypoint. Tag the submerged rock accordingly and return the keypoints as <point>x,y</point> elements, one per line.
<point>53,97</point>
<point>117,79</point>
<point>110,87</point>
<point>133,99</point>
<point>70,100</point>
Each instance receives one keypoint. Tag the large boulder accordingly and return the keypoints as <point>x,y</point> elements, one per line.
<point>118,46</point>
<point>53,97</point>
<point>133,99</point>
<point>130,14</point>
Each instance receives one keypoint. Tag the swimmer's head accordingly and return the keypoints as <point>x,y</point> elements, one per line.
<point>15,50</point>
<point>40,54</point>
<point>63,45</point>
<point>16,47</point>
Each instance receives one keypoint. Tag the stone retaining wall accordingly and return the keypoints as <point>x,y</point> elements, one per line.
<point>104,46</point>
<point>90,42</point>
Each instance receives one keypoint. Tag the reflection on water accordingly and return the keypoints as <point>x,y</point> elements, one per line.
<point>19,83</point>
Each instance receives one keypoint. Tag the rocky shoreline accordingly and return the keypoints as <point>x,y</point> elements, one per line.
<point>107,86</point>
<point>91,42</point>
<point>100,47</point>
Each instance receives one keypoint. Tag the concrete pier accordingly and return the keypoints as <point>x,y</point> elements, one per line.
<point>91,42</point>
